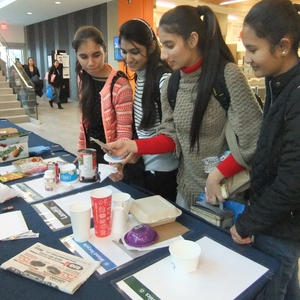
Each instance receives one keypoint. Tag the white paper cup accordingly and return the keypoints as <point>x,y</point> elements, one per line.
<point>119,222</point>
<point>80,213</point>
<point>184,256</point>
<point>123,200</point>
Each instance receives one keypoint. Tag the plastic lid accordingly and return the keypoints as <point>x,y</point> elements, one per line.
<point>154,211</point>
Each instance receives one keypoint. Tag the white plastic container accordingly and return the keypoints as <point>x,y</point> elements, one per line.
<point>49,180</point>
<point>154,211</point>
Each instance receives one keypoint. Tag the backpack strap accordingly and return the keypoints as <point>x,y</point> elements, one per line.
<point>220,90</point>
<point>114,80</point>
<point>159,72</point>
<point>173,88</point>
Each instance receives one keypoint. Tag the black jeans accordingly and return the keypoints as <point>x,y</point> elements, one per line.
<point>159,183</point>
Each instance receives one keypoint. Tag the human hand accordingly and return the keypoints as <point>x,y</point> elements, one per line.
<point>237,238</point>
<point>213,187</point>
<point>122,148</point>
<point>119,174</point>
<point>132,158</point>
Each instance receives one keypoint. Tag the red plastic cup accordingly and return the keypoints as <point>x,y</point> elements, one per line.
<point>101,207</point>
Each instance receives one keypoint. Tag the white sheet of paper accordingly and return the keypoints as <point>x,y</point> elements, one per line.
<point>34,190</point>
<point>12,223</point>
<point>60,208</point>
<point>222,274</point>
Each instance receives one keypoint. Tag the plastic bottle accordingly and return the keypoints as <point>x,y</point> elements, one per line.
<point>49,180</point>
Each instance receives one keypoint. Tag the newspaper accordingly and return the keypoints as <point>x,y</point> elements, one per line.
<point>52,267</point>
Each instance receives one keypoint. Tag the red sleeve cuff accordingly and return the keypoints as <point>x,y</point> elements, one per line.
<point>229,166</point>
<point>156,145</point>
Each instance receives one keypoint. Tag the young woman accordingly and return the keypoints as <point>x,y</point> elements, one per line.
<point>271,35</point>
<point>141,53</point>
<point>55,80</point>
<point>33,73</point>
<point>103,117</point>
<point>196,127</point>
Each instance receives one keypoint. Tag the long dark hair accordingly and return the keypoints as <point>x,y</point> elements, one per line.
<point>32,59</point>
<point>87,86</point>
<point>139,31</point>
<point>183,20</point>
<point>275,19</point>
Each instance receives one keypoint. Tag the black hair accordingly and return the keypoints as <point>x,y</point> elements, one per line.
<point>139,31</point>
<point>183,20</point>
<point>275,19</point>
<point>83,34</point>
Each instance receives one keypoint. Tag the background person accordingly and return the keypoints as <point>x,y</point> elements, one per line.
<point>195,129</point>
<point>55,80</point>
<point>271,36</point>
<point>141,52</point>
<point>103,116</point>
<point>33,73</point>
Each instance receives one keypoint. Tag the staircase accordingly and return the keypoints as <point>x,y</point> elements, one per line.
<point>10,107</point>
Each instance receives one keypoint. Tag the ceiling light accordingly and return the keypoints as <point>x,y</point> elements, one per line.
<point>165,4</point>
<point>29,13</point>
<point>57,2</point>
<point>4,3</point>
<point>232,1</point>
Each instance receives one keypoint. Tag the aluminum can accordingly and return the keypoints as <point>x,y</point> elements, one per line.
<point>87,165</point>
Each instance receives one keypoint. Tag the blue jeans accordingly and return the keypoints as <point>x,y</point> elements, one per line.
<point>56,96</point>
<point>285,283</point>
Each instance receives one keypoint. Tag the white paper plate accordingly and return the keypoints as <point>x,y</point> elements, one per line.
<point>154,211</point>
<point>111,159</point>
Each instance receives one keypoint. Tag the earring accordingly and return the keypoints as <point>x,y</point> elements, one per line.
<point>283,52</point>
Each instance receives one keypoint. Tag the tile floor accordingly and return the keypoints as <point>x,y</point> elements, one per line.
<point>57,125</point>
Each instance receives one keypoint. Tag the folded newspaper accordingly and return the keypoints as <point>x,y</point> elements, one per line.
<point>52,267</point>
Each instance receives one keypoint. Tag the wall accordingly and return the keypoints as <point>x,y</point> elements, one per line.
<point>112,31</point>
<point>134,9</point>
<point>57,34</point>
<point>13,34</point>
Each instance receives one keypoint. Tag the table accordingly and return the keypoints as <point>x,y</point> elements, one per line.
<point>17,287</point>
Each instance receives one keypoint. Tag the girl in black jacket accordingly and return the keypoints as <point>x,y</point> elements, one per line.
<point>55,80</point>
<point>271,36</point>
<point>33,73</point>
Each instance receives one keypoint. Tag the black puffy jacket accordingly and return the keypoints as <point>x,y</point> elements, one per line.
<point>275,185</point>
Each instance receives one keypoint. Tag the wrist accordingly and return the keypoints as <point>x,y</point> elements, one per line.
<point>132,147</point>
<point>216,176</point>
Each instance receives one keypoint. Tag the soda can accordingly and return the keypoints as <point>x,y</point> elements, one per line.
<point>87,165</point>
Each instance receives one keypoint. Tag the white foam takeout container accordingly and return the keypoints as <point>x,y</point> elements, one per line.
<point>154,211</point>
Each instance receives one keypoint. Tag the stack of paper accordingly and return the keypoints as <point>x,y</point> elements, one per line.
<point>12,224</point>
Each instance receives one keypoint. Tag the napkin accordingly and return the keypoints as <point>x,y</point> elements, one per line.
<point>39,150</point>
<point>105,170</point>
<point>7,193</point>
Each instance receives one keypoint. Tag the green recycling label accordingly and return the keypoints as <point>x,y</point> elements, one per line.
<point>140,289</point>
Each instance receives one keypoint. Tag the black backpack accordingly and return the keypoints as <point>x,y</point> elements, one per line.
<point>220,90</point>
<point>160,71</point>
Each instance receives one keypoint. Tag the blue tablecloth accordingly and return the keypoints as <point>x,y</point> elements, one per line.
<point>17,287</point>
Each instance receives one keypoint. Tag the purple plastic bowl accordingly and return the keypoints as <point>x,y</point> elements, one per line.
<point>141,235</point>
